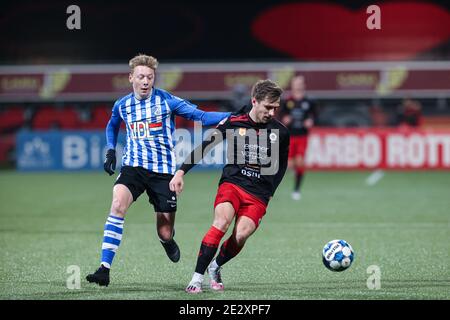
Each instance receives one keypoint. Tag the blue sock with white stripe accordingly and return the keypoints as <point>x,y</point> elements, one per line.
<point>111,239</point>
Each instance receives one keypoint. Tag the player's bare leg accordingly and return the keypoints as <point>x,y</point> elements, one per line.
<point>299,161</point>
<point>165,227</point>
<point>291,164</point>
<point>243,229</point>
<point>122,200</point>
<point>223,217</point>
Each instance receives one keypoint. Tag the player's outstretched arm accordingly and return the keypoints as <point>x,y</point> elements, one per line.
<point>212,118</point>
<point>217,136</point>
<point>189,111</point>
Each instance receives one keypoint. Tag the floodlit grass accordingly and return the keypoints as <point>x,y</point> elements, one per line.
<point>50,221</point>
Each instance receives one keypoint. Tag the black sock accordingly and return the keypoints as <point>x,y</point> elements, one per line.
<point>298,181</point>
<point>228,251</point>
<point>205,256</point>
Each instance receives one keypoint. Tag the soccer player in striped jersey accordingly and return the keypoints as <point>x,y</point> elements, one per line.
<point>148,161</point>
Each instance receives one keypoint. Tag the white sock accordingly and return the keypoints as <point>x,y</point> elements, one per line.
<point>197,277</point>
<point>214,264</point>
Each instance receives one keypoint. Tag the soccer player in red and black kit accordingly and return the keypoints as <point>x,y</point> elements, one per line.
<point>298,113</point>
<point>257,154</point>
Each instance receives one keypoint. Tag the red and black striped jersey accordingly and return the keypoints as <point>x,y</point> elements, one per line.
<point>257,154</point>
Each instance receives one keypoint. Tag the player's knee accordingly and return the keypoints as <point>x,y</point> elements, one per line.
<point>291,163</point>
<point>118,207</point>
<point>243,232</point>
<point>221,223</point>
<point>165,233</point>
<point>299,162</point>
<point>241,237</point>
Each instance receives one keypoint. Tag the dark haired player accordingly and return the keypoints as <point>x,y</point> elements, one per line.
<point>257,153</point>
<point>298,113</point>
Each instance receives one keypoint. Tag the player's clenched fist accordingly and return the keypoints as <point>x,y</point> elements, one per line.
<point>110,162</point>
<point>176,184</point>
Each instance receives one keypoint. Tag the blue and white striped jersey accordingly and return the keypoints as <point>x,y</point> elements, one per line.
<point>150,127</point>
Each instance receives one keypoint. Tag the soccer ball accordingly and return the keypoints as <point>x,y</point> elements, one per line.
<point>337,255</point>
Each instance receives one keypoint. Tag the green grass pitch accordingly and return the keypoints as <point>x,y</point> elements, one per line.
<point>50,221</point>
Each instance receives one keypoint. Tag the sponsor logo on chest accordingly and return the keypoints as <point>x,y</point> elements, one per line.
<point>145,129</point>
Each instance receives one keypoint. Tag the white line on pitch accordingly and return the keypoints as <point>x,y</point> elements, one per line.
<point>376,176</point>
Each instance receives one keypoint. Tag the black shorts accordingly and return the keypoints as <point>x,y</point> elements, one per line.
<point>138,180</point>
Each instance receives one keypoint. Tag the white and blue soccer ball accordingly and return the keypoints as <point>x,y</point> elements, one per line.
<point>337,255</point>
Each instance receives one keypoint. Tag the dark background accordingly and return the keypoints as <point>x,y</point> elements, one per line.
<point>35,32</point>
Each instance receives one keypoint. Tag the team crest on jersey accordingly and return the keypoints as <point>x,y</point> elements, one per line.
<point>242,131</point>
<point>273,137</point>
<point>157,111</point>
<point>305,105</point>
<point>290,104</point>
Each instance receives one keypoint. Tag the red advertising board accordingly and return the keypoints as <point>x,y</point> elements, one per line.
<point>216,81</point>
<point>402,148</point>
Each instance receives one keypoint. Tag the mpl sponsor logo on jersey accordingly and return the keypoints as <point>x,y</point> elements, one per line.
<point>145,129</point>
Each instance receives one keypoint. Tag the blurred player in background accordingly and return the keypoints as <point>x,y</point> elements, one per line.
<point>298,113</point>
<point>246,186</point>
<point>148,163</point>
<point>409,113</point>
